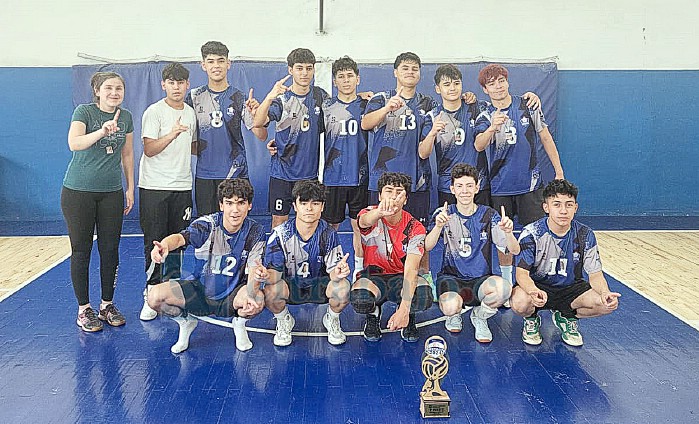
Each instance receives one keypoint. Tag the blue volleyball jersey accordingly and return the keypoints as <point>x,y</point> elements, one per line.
<point>346,162</point>
<point>455,144</point>
<point>394,142</point>
<point>303,262</point>
<point>514,154</point>
<point>558,261</point>
<point>220,147</point>
<point>299,124</point>
<point>222,258</point>
<point>470,242</point>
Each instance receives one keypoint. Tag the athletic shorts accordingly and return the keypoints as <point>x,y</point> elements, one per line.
<point>356,198</point>
<point>560,298</point>
<point>527,207</point>
<point>467,289</point>
<point>280,200</point>
<point>196,302</point>
<point>481,198</point>
<point>315,293</point>
<point>206,195</point>
<point>418,205</point>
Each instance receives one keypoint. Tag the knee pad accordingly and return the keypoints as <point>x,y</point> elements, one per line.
<point>363,301</point>
<point>422,299</point>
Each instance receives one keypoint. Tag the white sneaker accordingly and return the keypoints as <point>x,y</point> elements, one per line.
<point>242,340</point>
<point>284,326</point>
<point>482,332</point>
<point>454,323</point>
<point>335,334</point>
<point>187,326</point>
<point>147,313</point>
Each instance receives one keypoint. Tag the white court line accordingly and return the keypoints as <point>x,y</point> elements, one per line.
<point>691,323</point>
<point>24,284</point>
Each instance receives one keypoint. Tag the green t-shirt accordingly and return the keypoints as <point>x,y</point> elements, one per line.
<point>98,168</point>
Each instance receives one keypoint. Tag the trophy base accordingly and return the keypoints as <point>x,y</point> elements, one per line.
<point>434,406</point>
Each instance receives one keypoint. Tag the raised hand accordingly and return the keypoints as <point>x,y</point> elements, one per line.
<point>497,120</point>
<point>341,270</point>
<point>178,128</point>
<point>533,101</point>
<point>396,102</point>
<point>279,88</point>
<point>110,127</point>
<point>437,125</point>
<point>442,217</point>
<point>251,104</point>
<point>389,206</point>
<point>469,98</point>
<point>505,224</point>
<point>159,252</point>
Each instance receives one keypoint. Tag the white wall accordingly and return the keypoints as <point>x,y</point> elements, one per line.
<point>584,34</point>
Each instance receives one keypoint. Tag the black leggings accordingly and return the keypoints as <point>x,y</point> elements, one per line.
<point>82,210</point>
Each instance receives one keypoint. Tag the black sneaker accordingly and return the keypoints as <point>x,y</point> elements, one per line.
<point>409,333</point>
<point>372,327</point>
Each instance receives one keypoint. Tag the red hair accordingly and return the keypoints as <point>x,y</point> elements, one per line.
<point>491,73</point>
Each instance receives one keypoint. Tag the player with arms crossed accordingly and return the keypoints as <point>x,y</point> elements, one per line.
<point>470,272</point>
<point>558,252</point>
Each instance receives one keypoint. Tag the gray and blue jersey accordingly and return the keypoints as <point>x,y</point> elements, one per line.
<point>558,261</point>
<point>346,163</point>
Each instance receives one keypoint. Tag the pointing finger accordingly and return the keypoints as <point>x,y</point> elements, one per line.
<point>445,207</point>
<point>116,115</point>
<point>502,211</point>
<point>250,95</point>
<point>283,80</point>
<point>399,91</point>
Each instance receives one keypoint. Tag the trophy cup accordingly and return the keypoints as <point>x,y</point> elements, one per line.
<point>434,402</point>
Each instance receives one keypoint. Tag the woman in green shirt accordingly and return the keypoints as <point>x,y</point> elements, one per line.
<point>101,139</point>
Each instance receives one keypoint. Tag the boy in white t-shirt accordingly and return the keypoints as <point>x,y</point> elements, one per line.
<point>165,175</point>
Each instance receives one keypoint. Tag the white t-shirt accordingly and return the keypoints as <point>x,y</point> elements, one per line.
<point>171,168</point>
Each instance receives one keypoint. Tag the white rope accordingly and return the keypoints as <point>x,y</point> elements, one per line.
<point>223,323</point>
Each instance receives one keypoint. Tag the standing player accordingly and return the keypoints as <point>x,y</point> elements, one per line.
<point>220,110</point>
<point>227,246</point>
<point>305,264</point>
<point>470,275</point>
<point>557,254</point>
<point>394,243</point>
<point>345,173</point>
<point>101,139</point>
<point>297,111</point>
<point>165,175</point>
<point>512,136</point>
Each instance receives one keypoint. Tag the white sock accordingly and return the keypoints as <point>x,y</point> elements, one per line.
<point>484,311</point>
<point>506,272</point>
<point>333,313</point>
<point>187,326</point>
<point>242,340</point>
<point>284,312</point>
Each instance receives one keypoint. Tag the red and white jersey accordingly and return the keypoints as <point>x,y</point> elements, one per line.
<point>386,246</point>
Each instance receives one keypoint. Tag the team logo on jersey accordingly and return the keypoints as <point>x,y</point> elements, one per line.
<point>317,110</point>
<point>524,121</point>
<point>484,235</point>
<point>576,256</point>
<point>472,123</point>
<point>230,111</point>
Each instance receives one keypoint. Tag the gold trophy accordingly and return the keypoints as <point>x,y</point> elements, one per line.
<point>434,402</point>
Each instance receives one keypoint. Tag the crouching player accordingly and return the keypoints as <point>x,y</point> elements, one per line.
<point>470,273</point>
<point>557,253</point>
<point>227,246</point>
<point>305,264</point>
